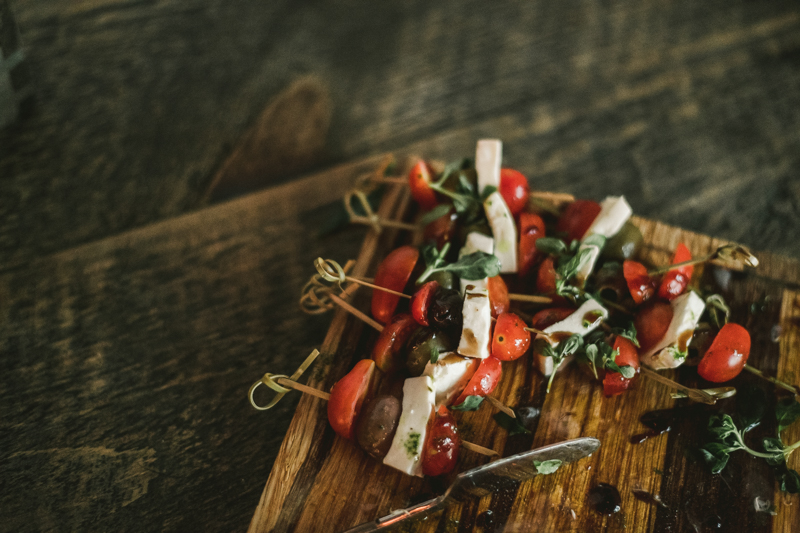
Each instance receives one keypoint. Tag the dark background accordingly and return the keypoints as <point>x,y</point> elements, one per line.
<point>130,330</point>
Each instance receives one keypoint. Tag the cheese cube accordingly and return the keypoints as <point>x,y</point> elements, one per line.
<point>450,374</point>
<point>405,454</point>
<point>614,213</point>
<point>477,323</point>
<point>504,230</point>
<point>583,321</point>
<point>488,157</point>
<point>686,311</point>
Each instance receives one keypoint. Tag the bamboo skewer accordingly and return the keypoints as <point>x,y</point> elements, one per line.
<point>497,404</point>
<point>530,298</point>
<point>697,395</point>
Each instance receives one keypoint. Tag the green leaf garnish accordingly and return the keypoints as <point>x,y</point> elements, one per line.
<point>551,245</point>
<point>558,353</point>
<point>470,403</point>
<point>512,425</point>
<point>787,412</point>
<point>434,354</point>
<point>547,467</point>
<point>477,265</point>
<point>436,213</point>
<point>487,192</point>
<point>628,332</point>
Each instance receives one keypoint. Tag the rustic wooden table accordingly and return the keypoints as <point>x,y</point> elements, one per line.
<point>136,307</point>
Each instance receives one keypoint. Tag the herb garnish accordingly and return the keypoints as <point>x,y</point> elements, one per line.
<point>560,352</point>
<point>628,332</point>
<point>434,354</point>
<point>601,354</point>
<point>570,260</point>
<point>718,310</point>
<point>470,403</point>
<point>477,265</point>
<point>547,467</point>
<point>729,438</point>
<point>466,200</point>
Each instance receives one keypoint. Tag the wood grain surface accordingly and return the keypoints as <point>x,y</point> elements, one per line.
<point>321,482</point>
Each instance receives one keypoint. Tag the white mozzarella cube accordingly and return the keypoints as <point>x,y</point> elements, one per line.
<point>475,242</point>
<point>686,311</point>
<point>488,158</point>
<point>450,374</point>
<point>583,321</point>
<point>504,230</point>
<point>477,323</point>
<point>405,454</point>
<point>614,213</point>
<point>587,266</point>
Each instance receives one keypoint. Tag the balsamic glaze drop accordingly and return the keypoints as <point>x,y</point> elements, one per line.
<point>659,422</point>
<point>605,499</point>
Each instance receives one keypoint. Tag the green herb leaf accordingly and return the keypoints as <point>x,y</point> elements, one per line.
<point>547,467</point>
<point>471,403</point>
<point>511,425</point>
<point>775,447</point>
<point>677,354</point>
<point>551,245</point>
<point>436,213</point>
<point>434,354</point>
<point>790,481</point>
<point>487,192</point>
<point>716,459</point>
<point>477,265</point>
<point>593,355</point>
<point>628,332</point>
<point>787,413</point>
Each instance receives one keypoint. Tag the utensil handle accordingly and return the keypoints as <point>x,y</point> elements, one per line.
<point>401,515</point>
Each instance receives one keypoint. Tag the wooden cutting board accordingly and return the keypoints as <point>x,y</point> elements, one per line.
<point>321,482</point>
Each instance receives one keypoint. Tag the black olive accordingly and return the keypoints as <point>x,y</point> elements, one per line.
<point>445,309</point>
<point>377,424</point>
<point>421,347</point>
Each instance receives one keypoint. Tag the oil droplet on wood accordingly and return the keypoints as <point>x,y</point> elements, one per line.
<point>605,499</point>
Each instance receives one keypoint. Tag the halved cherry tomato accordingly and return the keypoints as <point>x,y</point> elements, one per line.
<point>347,396</point>
<point>510,340</point>
<point>483,381</point>
<point>577,218</point>
<point>641,286</point>
<point>613,382</point>
<point>546,278</point>
<point>419,179</point>
<point>547,317</point>
<point>652,322</point>
<point>727,355</point>
<point>514,189</point>
<point>498,296</point>
<point>675,281</point>
<point>388,350</point>
<point>421,301</point>
<point>393,273</point>
<point>440,453</point>
<point>531,228</point>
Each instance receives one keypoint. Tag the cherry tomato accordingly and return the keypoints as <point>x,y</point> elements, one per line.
<point>441,230</point>
<point>388,350</point>
<point>498,296</point>
<point>440,453</point>
<point>576,218</point>
<point>483,381</point>
<point>421,302</point>
<point>531,227</point>
<point>727,355</point>
<point>547,317</point>
<point>347,396</point>
<point>652,322</point>
<point>613,382</point>
<point>514,189</point>
<point>510,340</point>
<point>675,281</point>
<point>419,179</point>
<point>546,278</point>
<point>641,286</point>
<point>393,273</point>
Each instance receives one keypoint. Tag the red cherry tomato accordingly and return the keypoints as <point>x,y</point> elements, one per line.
<point>441,230</point>
<point>347,396</point>
<point>675,281</point>
<point>727,355</point>
<point>483,381</point>
<point>421,301</point>
<point>641,286</point>
<point>577,218</point>
<point>613,382</point>
<point>388,350</point>
<point>652,322</point>
<point>546,278</point>
<point>441,449</point>
<point>547,317</point>
<point>498,296</point>
<point>531,228</point>
<point>510,340</point>
<point>393,273</point>
<point>514,189</point>
<point>419,179</point>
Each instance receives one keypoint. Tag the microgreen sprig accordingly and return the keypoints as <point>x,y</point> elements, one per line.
<point>560,352</point>
<point>477,265</point>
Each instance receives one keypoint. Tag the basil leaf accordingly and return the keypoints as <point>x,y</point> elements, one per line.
<point>775,447</point>
<point>790,481</point>
<point>628,332</point>
<point>547,467</point>
<point>487,192</point>
<point>571,345</point>
<point>787,412</point>
<point>434,214</point>
<point>628,372</point>
<point>715,457</point>
<point>477,265</point>
<point>471,403</point>
<point>511,425</point>
<point>551,245</point>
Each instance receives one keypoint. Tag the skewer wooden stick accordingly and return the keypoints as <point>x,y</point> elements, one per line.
<point>497,404</point>
<point>331,271</point>
<point>553,197</point>
<point>696,395</point>
<point>530,298</point>
<point>479,449</point>
<point>353,311</point>
<point>774,381</point>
